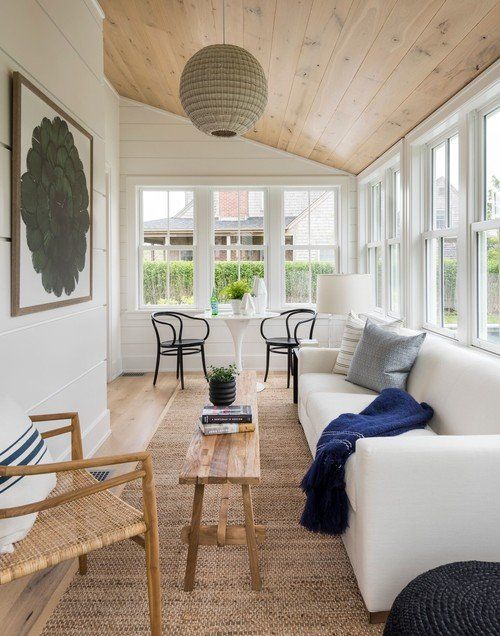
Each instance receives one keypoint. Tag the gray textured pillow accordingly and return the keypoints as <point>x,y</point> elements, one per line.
<point>383,360</point>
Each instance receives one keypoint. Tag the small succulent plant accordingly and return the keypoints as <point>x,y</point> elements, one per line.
<point>222,374</point>
<point>55,206</point>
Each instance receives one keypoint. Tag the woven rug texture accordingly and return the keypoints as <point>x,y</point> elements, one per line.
<point>308,584</point>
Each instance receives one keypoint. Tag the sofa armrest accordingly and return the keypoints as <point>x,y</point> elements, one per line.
<point>316,359</point>
<point>422,502</point>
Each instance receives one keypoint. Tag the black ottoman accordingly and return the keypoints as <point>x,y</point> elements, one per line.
<point>458,599</point>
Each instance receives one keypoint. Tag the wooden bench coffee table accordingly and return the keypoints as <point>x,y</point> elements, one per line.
<point>224,459</point>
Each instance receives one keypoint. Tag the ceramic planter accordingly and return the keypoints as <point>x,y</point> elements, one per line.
<point>222,393</point>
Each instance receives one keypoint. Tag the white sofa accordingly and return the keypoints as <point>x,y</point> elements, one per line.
<point>427,497</point>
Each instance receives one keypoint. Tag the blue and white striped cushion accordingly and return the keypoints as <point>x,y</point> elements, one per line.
<point>20,445</point>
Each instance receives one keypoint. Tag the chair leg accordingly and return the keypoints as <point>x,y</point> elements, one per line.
<point>177,369</point>
<point>151,540</point>
<point>288,365</point>
<point>181,367</point>
<point>82,564</point>
<point>203,361</point>
<point>157,365</point>
<point>267,362</point>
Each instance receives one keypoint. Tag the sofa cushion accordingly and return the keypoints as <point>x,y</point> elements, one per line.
<point>322,408</point>
<point>328,383</point>
<point>353,331</point>
<point>383,360</point>
<point>460,384</point>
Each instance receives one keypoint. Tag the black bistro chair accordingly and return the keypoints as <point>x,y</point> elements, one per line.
<point>286,344</point>
<point>177,345</point>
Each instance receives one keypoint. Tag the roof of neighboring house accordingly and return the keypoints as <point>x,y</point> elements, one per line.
<point>180,223</point>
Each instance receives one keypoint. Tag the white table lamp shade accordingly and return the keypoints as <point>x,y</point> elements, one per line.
<point>338,294</point>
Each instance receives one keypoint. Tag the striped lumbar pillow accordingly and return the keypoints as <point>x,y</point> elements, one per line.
<point>353,331</point>
<point>20,445</point>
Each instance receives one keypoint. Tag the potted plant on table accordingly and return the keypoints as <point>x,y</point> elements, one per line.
<point>234,292</point>
<point>222,385</point>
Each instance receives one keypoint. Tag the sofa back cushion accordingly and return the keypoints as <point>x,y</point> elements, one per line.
<point>461,385</point>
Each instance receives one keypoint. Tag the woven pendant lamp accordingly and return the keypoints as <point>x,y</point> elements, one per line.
<point>223,90</point>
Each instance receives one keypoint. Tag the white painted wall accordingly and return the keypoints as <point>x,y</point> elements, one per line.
<point>56,360</point>
<point>112,166</point>
<point>154,143</point>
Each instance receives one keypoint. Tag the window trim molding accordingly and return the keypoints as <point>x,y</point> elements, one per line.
<point>202,187</point>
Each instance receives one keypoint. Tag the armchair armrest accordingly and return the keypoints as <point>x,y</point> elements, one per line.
<point>421,502</point>
<point>145,473</point>
<point>316,359</point>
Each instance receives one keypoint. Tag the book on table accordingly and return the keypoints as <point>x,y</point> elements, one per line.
<point>225,428</point>
<point>235,414</point>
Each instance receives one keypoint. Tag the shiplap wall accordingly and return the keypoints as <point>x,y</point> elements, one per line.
<point>112,155</point>
<point>56,360</point>
<point>155,143</point>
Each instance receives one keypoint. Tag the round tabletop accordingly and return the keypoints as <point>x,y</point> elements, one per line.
<point>229,316</point>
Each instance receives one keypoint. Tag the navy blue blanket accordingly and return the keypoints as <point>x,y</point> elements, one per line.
<point>391,413</point>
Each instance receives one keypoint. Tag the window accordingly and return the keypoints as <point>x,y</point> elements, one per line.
<point>167,249</point>
<point>309,241</point>
<point>487,236</point>
<point>440,238</point>
<point>239,246</point>
<point>375,246</point>
<point>394,243</point>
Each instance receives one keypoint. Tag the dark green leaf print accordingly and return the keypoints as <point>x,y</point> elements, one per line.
<point>54,206</point>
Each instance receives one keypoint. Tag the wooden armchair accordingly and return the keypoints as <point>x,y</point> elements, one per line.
<point>81,515</point>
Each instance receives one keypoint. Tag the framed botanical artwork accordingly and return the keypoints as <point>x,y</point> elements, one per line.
<point>51,204</point>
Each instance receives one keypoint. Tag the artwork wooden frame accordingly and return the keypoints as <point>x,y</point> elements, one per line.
<point>52,184</point>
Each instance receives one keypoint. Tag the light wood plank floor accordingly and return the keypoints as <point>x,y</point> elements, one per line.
<point>136,409</point>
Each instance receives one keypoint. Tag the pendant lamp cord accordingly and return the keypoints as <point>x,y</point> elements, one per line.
<point>223,21</point>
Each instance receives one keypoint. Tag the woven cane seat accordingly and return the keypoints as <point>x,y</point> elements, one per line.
<point>458,599</point>
<point>72,529</point>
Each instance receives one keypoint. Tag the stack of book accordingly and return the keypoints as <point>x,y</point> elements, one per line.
<point>220,420</point>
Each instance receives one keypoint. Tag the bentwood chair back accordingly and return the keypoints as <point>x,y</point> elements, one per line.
<point>284,345</point>
<point>175,344</point>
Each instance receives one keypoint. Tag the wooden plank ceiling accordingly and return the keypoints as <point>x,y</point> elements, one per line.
<point>347,78</point>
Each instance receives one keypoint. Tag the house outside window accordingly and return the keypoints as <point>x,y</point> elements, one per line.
<point>309,241</point>
<point>167,252</point>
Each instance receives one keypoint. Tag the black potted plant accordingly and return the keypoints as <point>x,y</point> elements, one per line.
<point>222,385</point>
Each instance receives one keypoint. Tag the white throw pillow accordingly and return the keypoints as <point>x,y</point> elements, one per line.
<point>20,445</point>
<point>353,331</point>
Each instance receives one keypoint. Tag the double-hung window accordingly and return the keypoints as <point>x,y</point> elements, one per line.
<point>440,236</point>
<point>167,247</point>
<point>239,235</point>
<point>375,246</point>
<point>486,233</point>
<point>393,224</point>
<point>309,241</point>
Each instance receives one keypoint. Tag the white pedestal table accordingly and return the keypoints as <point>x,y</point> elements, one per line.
<point>237,324</point>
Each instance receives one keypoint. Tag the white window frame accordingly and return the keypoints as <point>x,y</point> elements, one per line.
<point>428,220</point>
<point>393,237</point>
<point>239,246</point>
<point>383,171</point>
<point>202,188</point>
<point>376,239</point>
<point>335,247</point>
<point>478,223</point>
<point>141,248</point>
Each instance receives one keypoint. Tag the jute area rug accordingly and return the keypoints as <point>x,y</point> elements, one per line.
<point>308,583</point>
